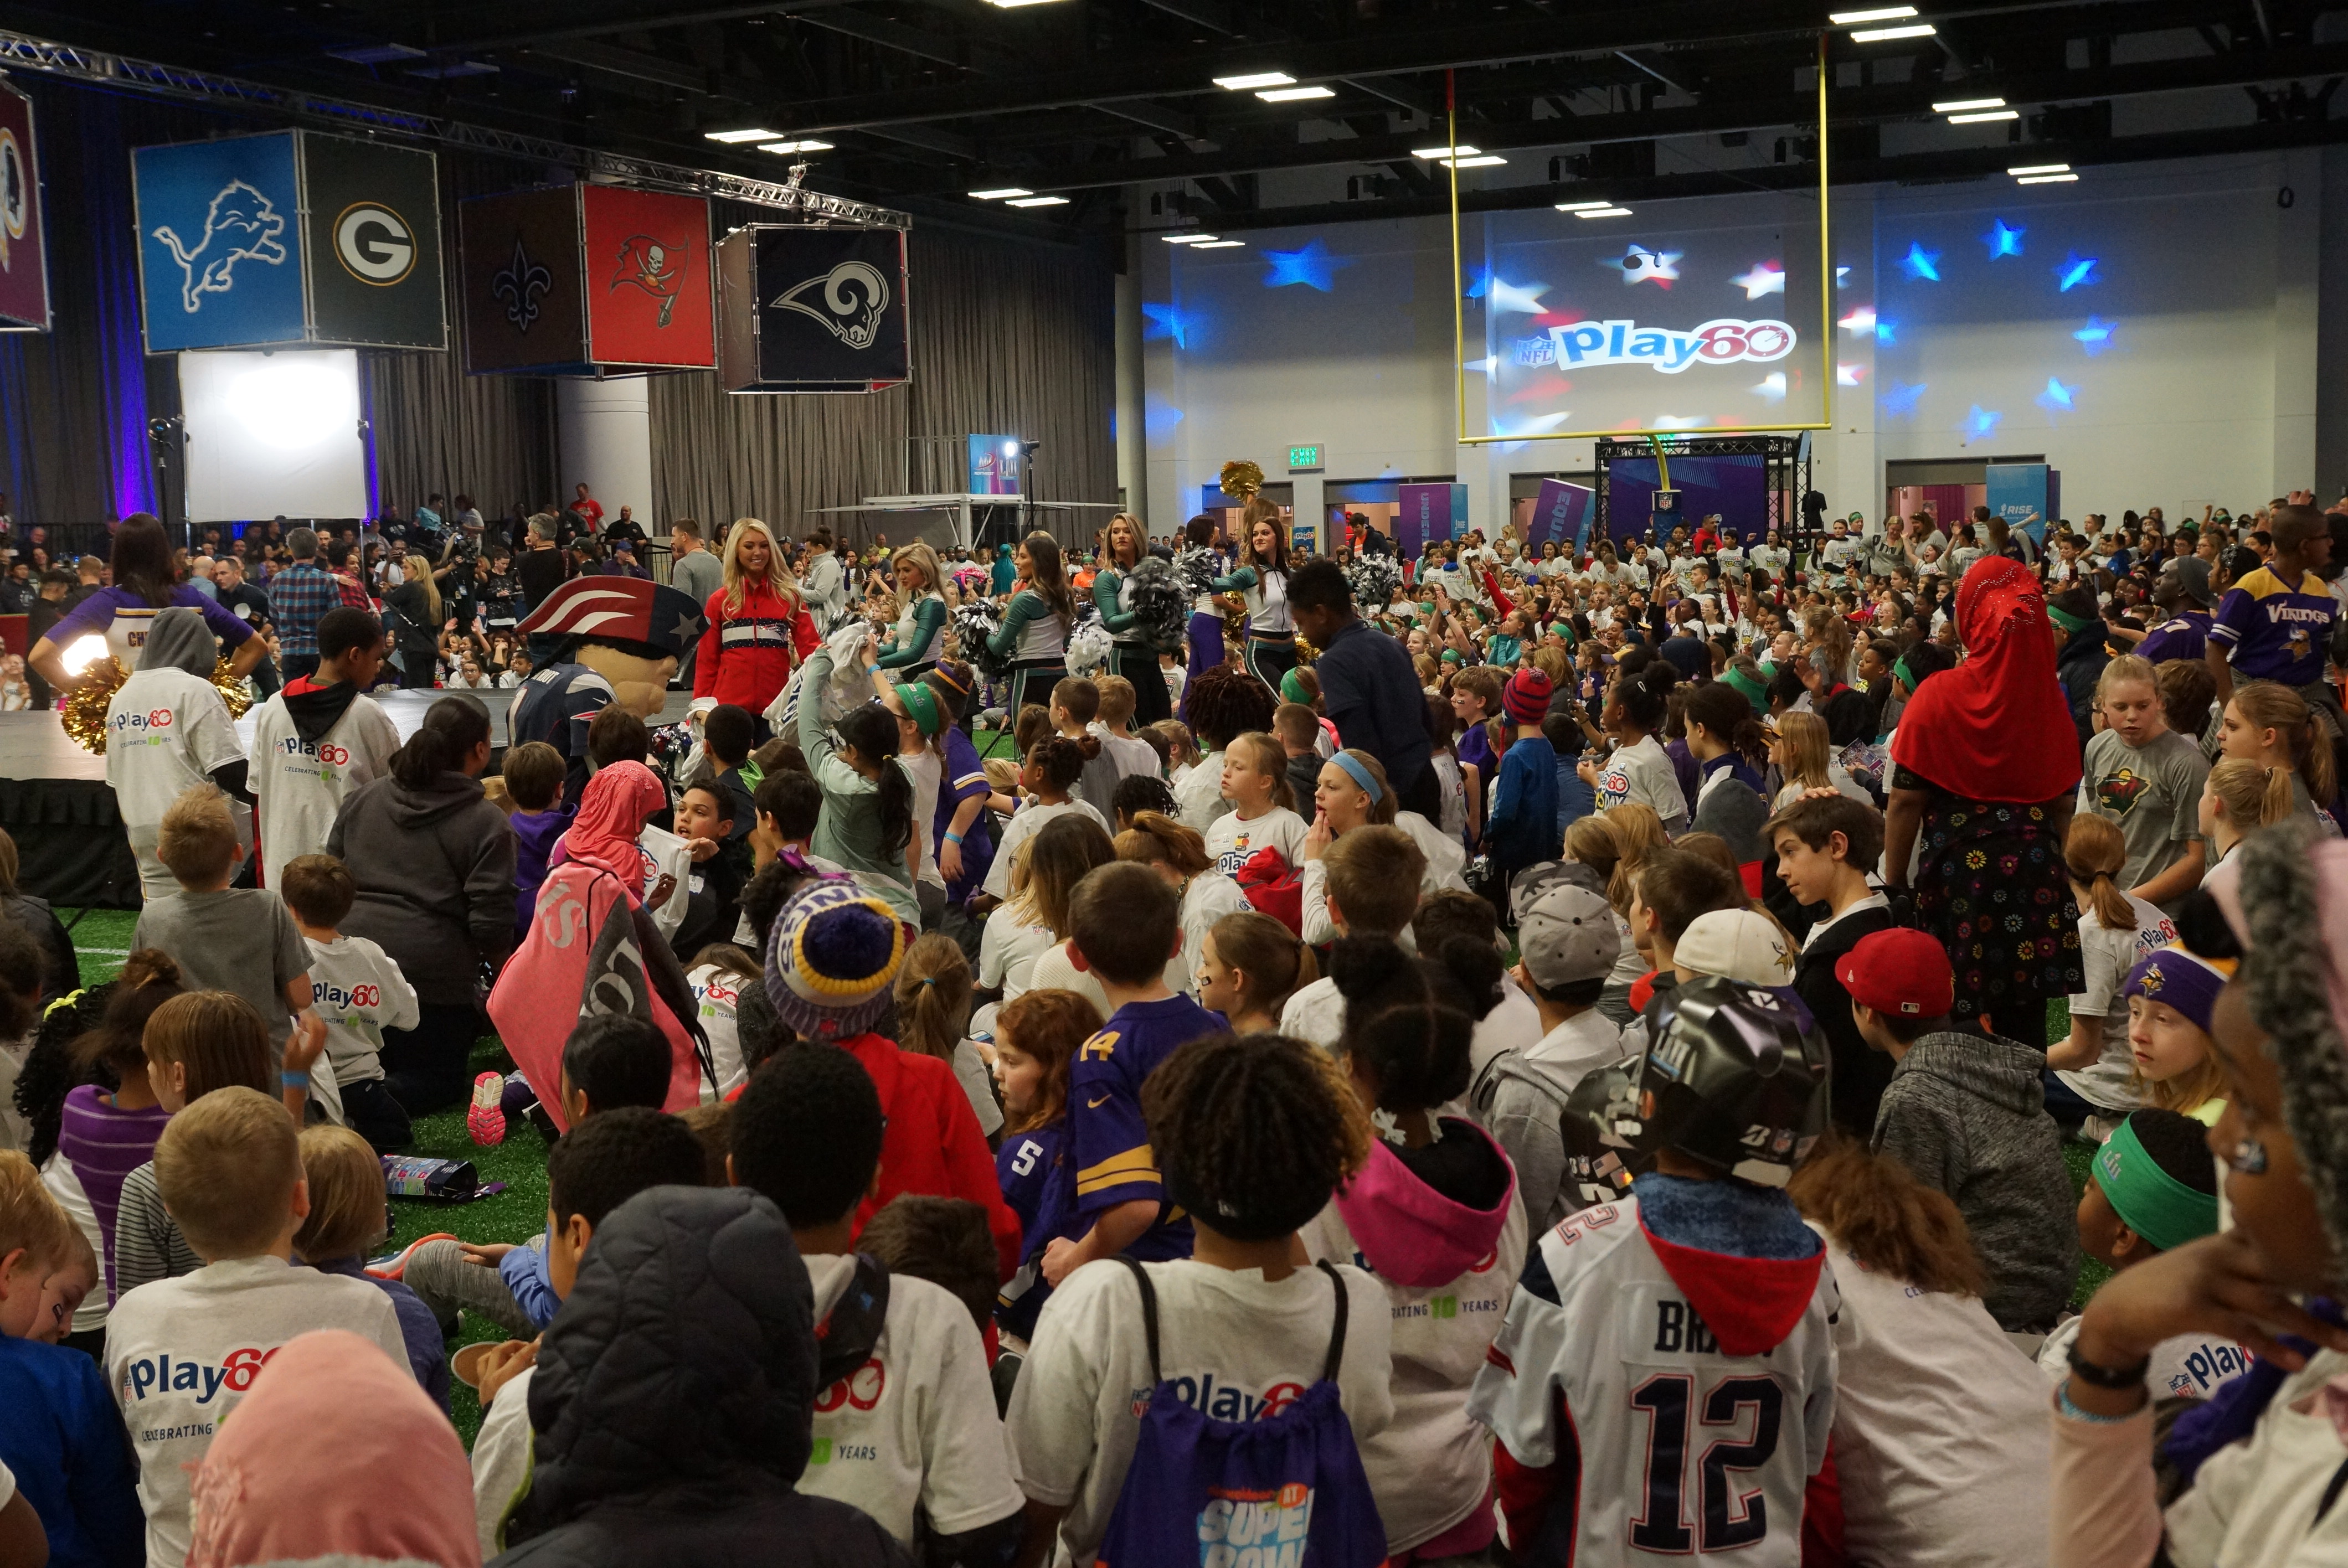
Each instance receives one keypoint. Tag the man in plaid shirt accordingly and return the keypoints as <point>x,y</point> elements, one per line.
<point>298,596</point>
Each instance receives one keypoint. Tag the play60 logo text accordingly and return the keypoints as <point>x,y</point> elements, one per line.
<point>1722,341</point>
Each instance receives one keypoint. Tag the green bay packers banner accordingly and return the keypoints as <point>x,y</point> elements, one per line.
<point>373,227</point>
<point>813,310</point>
<point>291,237</point>
<point>24,272</point>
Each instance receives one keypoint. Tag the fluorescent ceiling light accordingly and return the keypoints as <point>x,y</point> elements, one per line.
<point>1190,236</point>
<point>1984,116</point>
<point>1294,94</point>
<point>2040,169</point>
<point>1582,206</point>
<point>1255,79</point>
<point>1960,105</point>
<point>1010,5</point>
<point>1483,160</point>
<point>2046,180</point>
<point>1605,212</point>
<point>1880,14</point>
<point>1037,201</point>
<point>1885,34</point>
<point>997,195</point>
<point>731,136</point>
<point>783,148</point>
<point>1462,151</point>
<point>1219,244</point>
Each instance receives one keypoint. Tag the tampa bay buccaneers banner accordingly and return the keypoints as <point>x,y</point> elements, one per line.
<point>23,270</point>
<point>814,310</point>
<point>648,299</point>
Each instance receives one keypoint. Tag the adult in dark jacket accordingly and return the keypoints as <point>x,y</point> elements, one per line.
<point>2080,655</point>
<point>434,862</point>
<point>1368,686</point>
<point>40,923</point>
<point>674,1401</point>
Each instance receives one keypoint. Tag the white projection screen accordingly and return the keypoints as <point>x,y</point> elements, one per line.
<point>273,435</point>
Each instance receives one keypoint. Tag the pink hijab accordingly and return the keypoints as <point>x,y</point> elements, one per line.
<point>612,812</point>
<point>335,1456</point>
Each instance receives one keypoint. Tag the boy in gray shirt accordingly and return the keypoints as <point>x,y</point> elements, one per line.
<point>241,941</point>
<point>2146,779</point>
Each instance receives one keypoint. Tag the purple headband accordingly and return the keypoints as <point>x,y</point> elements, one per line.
<point>2177,978</point>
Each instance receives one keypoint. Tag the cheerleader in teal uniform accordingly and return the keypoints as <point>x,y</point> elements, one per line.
<point>1133,653</point>
<point>912,650</point>
<point>1034,635</point>
<point>1263,577</point>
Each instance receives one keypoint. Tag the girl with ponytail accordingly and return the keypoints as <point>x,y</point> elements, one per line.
<point>933,991</point>
<point>867,822</point>
<point>2271,724</point>
<point>1638,769</point>
<point>2116,929</point>
<point>1433,1213</point>
<point>1178,855</point>
<point>1249,966</point>
<point>2240,797</point>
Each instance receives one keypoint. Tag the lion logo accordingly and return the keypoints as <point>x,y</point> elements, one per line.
<point>241,224</point>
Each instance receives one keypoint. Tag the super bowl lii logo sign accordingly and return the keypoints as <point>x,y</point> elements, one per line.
<point>1722,341</point>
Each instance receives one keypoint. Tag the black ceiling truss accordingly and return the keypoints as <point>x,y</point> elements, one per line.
<point>1111,103</point>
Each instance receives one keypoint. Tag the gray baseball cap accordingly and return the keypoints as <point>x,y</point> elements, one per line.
<point>1525,889</point>
<point>2191,575</point>
<point>1568,935</point>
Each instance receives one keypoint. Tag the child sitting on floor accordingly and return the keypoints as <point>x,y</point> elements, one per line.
<point>347,1220</point>
<point>359,991</point>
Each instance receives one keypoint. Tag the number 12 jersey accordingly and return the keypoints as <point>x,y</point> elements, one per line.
<point>1655,1401</point>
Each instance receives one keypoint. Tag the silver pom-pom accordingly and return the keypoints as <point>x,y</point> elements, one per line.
<point>1197,566</point>
<point>1158,601</point>
<point>1373,579</point>
<point>974,626</point>
<point>1088,649</point>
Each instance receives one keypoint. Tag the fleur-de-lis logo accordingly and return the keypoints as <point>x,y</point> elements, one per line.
<point>519,285</point>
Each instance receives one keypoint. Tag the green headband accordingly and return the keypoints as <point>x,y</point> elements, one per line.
<point>1293,690</point>
<point>1755,692</point>
<point>922,707</point>
<point>2067,620</point>
<point>2149,1200</point>
<point>1904,672</point>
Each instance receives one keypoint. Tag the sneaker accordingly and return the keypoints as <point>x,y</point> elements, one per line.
<point>487,1119</point>
<point>395,1267</point>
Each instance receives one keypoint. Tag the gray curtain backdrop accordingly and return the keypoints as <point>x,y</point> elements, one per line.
<point>1008,339</point>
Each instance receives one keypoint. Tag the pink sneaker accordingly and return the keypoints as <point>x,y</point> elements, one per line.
<point>487,1119</point>
<point>396,1265</point>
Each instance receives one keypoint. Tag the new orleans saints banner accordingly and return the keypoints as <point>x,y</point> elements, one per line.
<point>524,309</point>
<point>814,310</point>
<point>576,278</point>
<point>23,270</point>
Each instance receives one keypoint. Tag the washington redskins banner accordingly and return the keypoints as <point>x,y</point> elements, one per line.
<point>24,268</point>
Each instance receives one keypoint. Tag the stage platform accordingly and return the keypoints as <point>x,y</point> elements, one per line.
<point>56,804</point>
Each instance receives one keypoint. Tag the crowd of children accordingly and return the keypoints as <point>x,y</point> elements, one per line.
<point>1565,1133</point>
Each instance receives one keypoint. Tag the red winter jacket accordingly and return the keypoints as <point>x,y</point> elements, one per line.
<point>746,658</point>
<point>932,1145</point>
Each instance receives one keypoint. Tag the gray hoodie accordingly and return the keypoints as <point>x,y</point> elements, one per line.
<point>1967,1116</point>
<point>434,868</point>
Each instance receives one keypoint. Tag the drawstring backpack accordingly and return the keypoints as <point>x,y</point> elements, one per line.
<point>1285,1491</point>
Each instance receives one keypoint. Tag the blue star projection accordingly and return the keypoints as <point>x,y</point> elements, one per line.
<point>1921,264</point>
<point>1899,399</point>
<point>1313,266</point>
<point>2096,336</point>
<point>2003,239</point>
<point>2057,398</point>
<point>1980,422</point>
<point>1168,321</point>
<point>1885,330</point>
<point>1158,420</point>
<point>2074,271</point>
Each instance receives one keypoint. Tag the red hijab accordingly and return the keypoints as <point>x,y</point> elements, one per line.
<point>1996,727</point>
<point>612,812</point>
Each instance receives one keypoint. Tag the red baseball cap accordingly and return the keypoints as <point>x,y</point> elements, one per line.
<point>1901,972</point>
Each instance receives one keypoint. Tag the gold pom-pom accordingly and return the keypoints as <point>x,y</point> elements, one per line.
<point>1241,479</point>
<point>234,694</point>
<point>85,709</point>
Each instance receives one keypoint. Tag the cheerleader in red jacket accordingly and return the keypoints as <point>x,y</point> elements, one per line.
<point>759,625</point>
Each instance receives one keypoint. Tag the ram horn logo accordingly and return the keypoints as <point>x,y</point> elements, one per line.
<point>519,285</point>
<point>655,267</point>
<point>854,324</point>
<point>241,223</point>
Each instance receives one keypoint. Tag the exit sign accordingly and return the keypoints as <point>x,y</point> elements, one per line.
<point>1305,459</point>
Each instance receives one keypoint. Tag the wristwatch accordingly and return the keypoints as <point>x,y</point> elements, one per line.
<point>2114,1378</point>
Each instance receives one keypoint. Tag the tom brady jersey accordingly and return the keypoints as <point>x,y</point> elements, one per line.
<point>1654,1402</point>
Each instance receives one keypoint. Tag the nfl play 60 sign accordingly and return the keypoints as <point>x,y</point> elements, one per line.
<point>289,237</point>
<point>23,270</point>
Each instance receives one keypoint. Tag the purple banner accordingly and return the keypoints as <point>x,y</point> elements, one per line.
<point>1560,514</point>
<point>1426,516</point>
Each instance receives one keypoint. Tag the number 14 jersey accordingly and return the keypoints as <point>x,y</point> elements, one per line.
<point>1655,1401</point>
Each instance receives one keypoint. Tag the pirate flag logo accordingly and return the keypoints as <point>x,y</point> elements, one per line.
<point>855,296</point>
<point>656,268</point>
<point>519,286</point>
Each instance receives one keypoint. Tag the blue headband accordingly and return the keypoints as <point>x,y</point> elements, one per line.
<point>1359,775</point>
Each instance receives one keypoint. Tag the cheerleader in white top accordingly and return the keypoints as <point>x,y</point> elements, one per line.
<point>1263,577</point>
<point>912,651</point>
<point>1034,634</point>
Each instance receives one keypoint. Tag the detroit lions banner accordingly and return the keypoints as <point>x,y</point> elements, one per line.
<point>648,293</point>
<point>813,310</point>
<point>220,242</point>
<point>373,231</point>
<point>23,268</point>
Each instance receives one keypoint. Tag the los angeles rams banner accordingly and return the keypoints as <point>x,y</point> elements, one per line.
<point>23,270</point>
<point>814,310</point>
<point>289,237</point>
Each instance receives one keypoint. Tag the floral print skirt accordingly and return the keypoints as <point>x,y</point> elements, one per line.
<point>1991,886</point>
